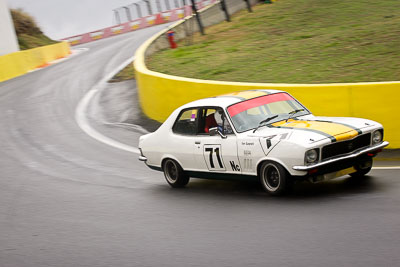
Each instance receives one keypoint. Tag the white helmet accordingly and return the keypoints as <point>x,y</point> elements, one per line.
<point>218,117</point>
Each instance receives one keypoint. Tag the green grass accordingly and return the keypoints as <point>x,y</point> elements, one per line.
<point>27,41</point>
<point>128,73</point>
<point>295,41</point>
<point>28,32</point>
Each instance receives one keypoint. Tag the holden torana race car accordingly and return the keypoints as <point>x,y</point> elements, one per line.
<point>262,134</point>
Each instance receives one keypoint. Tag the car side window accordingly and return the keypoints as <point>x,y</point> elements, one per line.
<point>213,117</point>
<point>227,128</point>
<point>186,123</point>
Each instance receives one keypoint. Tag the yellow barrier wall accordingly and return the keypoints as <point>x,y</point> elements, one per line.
<point>160,94</point>
<point>19,63</point>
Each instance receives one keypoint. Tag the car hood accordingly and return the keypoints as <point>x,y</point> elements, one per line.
<point>314,129</point>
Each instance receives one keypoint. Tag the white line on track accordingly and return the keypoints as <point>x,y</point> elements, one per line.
<point>81,113</point>
<point>387,168</point>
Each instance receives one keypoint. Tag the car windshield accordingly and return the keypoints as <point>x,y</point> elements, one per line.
<point>247,115</point>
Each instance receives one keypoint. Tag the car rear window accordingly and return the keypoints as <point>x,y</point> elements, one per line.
<point>186,122</point>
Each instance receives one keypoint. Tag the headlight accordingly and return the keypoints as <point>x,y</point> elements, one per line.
<point>311,156</point>
<point>376,137</point>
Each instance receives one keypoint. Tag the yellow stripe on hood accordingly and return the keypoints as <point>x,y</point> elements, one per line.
<point>336,131</point>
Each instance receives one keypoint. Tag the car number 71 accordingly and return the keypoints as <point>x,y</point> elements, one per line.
<point>213,157</point>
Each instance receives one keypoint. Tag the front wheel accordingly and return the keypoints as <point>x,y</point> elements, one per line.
<point>174,174</point>
<point>274,179</point>
<point>362,169</point>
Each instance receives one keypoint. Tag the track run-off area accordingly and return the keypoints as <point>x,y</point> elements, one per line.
<point>70,196</point>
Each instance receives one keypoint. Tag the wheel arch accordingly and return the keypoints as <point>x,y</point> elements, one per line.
<point>261,161</point>
<point>168,156</point>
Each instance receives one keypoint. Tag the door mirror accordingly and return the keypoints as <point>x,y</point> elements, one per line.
<point>214,131</point>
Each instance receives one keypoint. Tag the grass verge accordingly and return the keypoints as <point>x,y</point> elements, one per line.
<point>295,41</point>
<point>28,32</point>
<point>128,73</point>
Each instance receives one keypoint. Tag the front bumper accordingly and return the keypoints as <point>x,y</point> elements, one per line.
<point>347,158</point>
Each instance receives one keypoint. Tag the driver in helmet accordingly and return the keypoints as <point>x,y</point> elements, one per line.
<point>218,116</point>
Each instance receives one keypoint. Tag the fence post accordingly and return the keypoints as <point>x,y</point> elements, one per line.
<point>117,16</point>
<point>167,5</point>
<point>139,12</point>
<point>128,13</point>
<point>248,5</point>
<point>148,6</point>
<point>158,6</point>
<point>197,17</point>
<point>225,9</point>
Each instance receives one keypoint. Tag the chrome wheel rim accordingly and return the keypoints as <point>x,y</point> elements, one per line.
<point>171,171</point>
<point>271,177</point>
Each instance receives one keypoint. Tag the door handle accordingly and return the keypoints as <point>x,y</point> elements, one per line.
<point>197,142</point>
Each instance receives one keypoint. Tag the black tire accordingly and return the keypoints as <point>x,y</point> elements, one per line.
<point>362,169</point>
<point>174,174</point>
<point>274,178</point>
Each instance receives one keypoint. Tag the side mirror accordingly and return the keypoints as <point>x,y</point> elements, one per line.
<point>214,131</point>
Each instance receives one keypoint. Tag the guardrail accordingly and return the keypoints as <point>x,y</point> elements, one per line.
<point>19,63</point>
<point>140,23</point>
<point>160,93</point>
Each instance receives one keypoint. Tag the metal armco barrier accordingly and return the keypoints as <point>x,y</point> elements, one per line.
<point>148,21</point>
<point>160,93</point>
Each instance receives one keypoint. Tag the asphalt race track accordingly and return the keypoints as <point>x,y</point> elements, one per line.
<point>67,199</point>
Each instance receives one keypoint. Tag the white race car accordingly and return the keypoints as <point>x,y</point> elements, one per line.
<point>262,134</point>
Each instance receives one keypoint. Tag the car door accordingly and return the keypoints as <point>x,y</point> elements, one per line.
<point>215,153</point>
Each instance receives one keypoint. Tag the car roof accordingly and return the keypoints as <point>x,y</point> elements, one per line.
<point>232,98</point>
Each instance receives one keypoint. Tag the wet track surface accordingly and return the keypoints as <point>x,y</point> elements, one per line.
<point>69,200</point>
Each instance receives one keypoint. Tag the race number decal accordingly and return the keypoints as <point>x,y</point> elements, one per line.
<point>213,157</point>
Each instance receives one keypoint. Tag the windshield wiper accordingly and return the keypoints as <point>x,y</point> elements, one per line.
<point>291,113</point>
<point>265,121</point>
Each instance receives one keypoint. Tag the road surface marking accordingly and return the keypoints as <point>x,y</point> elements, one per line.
<point>81,111</point>
<point>387,168</point>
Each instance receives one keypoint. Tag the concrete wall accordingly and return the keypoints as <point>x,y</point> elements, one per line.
<point>160,93</point>
<point>18,63</point>
<point>9,43</point>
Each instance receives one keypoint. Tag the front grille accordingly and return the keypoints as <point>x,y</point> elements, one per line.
<point>345,147</point>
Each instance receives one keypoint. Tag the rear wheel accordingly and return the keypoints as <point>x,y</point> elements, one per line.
<point>274,179</point>
<point>174,174</point>
<point>362,169</point>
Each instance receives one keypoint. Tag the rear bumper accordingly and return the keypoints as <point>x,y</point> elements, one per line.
<point>142,158</point>
<point>353,157</point>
